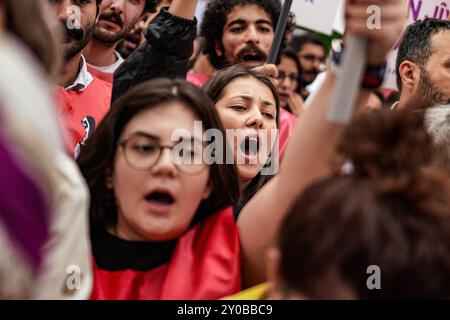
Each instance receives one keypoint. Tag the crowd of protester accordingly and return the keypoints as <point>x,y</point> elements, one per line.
<point>110,111</point>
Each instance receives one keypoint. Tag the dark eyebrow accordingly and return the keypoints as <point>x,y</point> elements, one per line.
<point>234,22</point>
<point>243,22</point>
<point>263,21</point>
<point>145,135</point>
<point>250,98</point>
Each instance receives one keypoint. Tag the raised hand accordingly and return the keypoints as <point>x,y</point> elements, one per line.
<point>361,19</point>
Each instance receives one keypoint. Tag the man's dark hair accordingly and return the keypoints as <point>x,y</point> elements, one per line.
<point>215,18</point>
<point>416,43</point>
<point>151,5</point>
<point>298,42</point>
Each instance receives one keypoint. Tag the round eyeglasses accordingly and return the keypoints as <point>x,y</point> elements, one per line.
<point>143,152</point>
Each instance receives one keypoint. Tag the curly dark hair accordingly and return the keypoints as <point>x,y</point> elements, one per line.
<point>215,18</point>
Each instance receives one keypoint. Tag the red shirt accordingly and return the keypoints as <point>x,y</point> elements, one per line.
<point>81,111</point>
<point>204,265</point>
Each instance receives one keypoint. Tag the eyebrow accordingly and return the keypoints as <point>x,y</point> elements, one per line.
<point>145,135</point>
<point>151,136</point>
<point>249,98</point>
<point>242,21</point>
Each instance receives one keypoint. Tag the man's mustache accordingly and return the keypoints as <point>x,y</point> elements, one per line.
<point>73,33</point>
<point>251,49</point>
<point>113,17</point>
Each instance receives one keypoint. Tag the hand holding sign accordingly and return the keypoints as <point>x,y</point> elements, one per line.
<point>392,15</point>
<point>361,39</point>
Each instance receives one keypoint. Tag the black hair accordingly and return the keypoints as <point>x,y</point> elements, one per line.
<point>215,18</point>
<point>298,42</point>
<point>416,43</point>
<point>151,5</point>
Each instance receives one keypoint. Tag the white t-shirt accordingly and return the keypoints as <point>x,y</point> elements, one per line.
<point>111,68</point>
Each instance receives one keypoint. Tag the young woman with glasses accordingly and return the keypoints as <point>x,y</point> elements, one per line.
<point>289,72</point>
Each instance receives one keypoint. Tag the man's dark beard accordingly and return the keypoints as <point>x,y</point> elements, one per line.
<point>107,38</point>
<point>133,37</point>
<point>430,93</point>
<point>79,38</point>
<point>305,83</point>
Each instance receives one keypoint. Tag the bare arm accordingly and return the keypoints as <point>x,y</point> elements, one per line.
<point>183,8</point>
<point>311,147</point>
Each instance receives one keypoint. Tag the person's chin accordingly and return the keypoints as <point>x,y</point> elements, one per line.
<point>156,227</point>
<point>248,171</point>
<point>309,79</point>
<point>283,102</point>
<point>103,34</point>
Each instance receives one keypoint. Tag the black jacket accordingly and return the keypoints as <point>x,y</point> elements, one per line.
<point>169,45</point>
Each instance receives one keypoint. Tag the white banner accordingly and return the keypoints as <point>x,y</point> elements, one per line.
<point>317,15</point>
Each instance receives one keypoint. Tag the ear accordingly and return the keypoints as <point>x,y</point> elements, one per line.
<point>409,74</point>
<point>208,190</point>
<point>219,49</point>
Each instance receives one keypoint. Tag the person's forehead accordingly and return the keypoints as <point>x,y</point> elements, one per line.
<point>248,87</point>
<point>440,44</point>
<point>287,63</point>
<point>162,119</point>
<point>248,13</point>
<point>312,47</point>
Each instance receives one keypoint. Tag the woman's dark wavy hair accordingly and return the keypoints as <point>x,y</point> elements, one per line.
<point>215,18</point>
<point>392,211</point>
<point>97,158</point>
<point>215,87</point>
